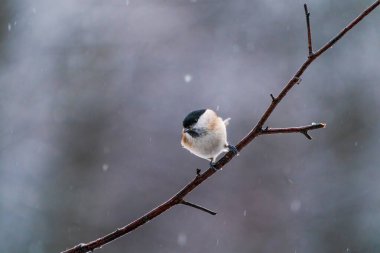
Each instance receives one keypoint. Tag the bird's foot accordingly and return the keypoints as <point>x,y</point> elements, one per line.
<point>233,149</point>
<point>212,166</point>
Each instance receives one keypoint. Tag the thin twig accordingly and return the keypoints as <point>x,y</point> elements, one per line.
<point>256,131</point>
<point>307,135</point>
<point>183,202</point>
<point>302,129</point>
<point>309,43</point>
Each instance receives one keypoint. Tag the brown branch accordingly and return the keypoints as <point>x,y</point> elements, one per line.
<point>309,44</point>
<point>256,131</point>
<point>302,129</point>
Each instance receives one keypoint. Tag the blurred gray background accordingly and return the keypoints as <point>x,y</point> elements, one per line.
<point>93,94</point>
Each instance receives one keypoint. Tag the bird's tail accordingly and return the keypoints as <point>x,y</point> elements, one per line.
<point>227,121</point>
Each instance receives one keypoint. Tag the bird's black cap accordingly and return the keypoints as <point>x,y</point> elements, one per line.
<point>192,118</point>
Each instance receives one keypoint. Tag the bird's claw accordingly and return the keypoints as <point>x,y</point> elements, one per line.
<point>233,149</point>
<point>212,166</point>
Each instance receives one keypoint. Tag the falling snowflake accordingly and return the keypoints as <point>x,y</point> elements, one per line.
<point>188,78</point>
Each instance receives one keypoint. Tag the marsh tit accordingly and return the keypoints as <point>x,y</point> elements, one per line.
<point>204,134</point>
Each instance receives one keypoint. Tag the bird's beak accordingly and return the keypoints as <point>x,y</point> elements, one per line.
<point>186,130</point>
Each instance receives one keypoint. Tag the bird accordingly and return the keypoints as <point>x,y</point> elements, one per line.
<point>204,134</point>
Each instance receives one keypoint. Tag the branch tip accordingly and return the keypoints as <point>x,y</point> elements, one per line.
<point>309,43</point>
<point>273,98</point>
<point>306,10</point>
